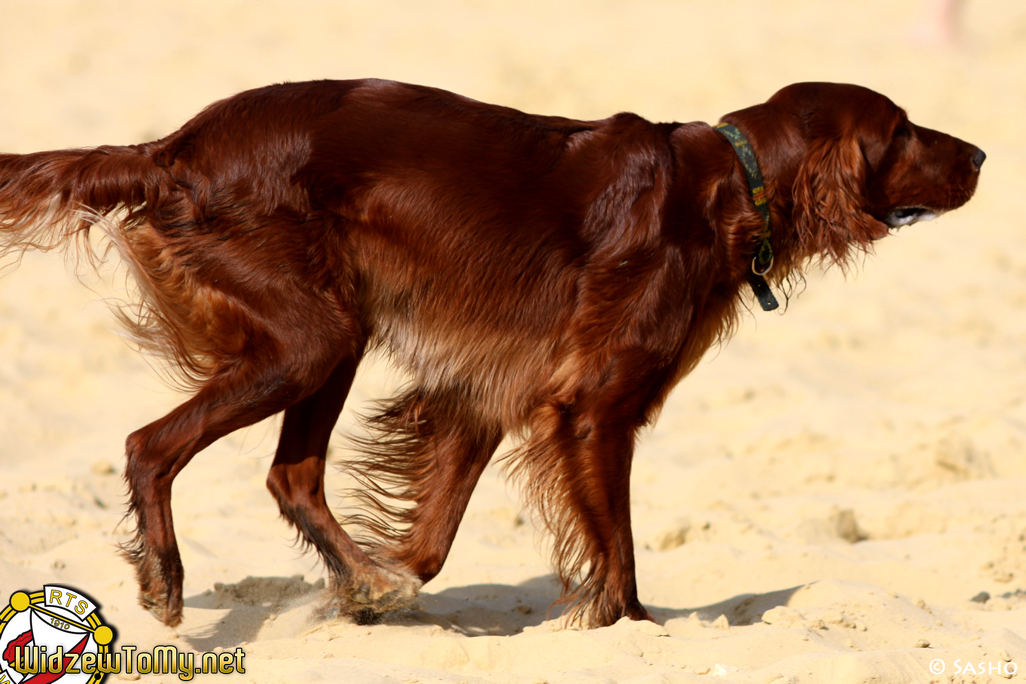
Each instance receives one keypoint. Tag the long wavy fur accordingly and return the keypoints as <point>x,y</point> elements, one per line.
<point>539,467</point>
<point>390,470</point>
<point>53,200</point>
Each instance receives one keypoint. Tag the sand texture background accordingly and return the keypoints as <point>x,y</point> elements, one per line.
<point>820,500</point>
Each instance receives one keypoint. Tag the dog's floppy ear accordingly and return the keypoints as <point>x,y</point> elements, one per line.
<point>830,214</point>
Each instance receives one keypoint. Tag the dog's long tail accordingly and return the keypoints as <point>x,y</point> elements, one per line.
<point>50,200</point>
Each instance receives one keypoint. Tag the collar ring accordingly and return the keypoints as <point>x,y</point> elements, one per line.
<point>764,271</point>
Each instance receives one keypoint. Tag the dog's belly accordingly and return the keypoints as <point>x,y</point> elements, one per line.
<point>499,370</point>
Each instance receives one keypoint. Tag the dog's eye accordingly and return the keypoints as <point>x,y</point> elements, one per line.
<point>903,131</point>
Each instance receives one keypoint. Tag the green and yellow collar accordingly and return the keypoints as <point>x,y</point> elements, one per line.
<point>762,262</point>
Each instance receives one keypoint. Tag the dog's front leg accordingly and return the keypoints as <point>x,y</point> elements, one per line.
<point>576,470</point>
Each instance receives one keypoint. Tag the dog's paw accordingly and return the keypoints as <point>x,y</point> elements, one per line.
<point>162,602</point>
<point>371,592</point>
<point>160,582</point>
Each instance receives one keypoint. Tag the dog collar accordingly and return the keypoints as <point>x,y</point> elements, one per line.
<point>762,262</point>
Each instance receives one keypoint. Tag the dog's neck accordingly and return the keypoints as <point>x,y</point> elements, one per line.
<point>762,262</point>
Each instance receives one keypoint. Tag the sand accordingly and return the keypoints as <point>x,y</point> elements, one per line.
<point>821,500</point>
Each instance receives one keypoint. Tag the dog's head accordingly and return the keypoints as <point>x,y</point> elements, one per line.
<point>846,166</point>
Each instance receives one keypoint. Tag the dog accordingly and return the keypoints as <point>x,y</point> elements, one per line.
<point>536,276</point>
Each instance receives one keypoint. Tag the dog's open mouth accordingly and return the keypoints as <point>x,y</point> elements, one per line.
<point>906,216</point>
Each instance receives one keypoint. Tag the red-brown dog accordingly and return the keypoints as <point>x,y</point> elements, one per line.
<point>535,275</point>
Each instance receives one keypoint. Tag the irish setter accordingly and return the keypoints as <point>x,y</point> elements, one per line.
<point>537,276</point>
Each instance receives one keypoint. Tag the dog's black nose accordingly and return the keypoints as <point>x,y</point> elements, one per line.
<point>979,158</point>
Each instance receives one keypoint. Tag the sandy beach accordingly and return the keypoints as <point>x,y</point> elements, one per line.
<point>834,496</point>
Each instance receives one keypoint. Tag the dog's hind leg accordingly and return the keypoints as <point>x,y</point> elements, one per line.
<point>362,588</point>
<point>268,376</point>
